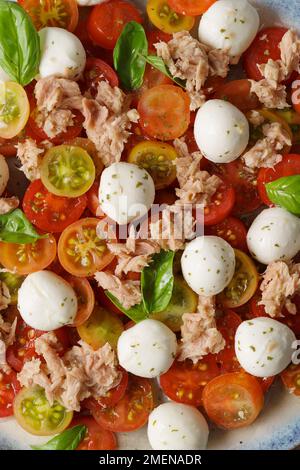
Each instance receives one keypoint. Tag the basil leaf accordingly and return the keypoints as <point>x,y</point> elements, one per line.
<point>285,192</point>
<point>158,63</point>
<point>136,313</point>
<point>129,55</point>
<point>157,282</point>
<point>19,43</point>
<point>67,440</point>
<point>15,228</point>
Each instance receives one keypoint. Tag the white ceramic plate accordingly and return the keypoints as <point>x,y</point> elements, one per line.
<point>278,427</point>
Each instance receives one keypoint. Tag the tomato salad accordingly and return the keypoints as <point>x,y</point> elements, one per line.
<point>157,241</point>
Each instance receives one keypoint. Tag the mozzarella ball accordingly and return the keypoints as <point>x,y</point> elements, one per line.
<point>148,349</point>
<point>263,346</point>
<point>4,77</point>
<point>274,235</point>
<point>89,3</point>
<point>62,54</point>
<point>229,24</point>
<point>221,131</point>
<point>174,426</point>
<point>46,301</point>
<point>126,192</point>
<point>208,265</point>
<point>4,174</point>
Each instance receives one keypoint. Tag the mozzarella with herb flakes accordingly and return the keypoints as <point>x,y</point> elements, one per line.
<point>147,349</point>
<point>62,54</point>
<point>126,192</point>
<point>221,131</point>
<point>4,174</point>
<point>208,265</point>
<point>229,24</point>
<point>46,301</point>
<point>174,426</point>
<point>274,235</point>
<point>263,346</point>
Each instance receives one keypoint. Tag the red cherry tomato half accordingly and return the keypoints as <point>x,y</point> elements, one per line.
<point>96,438</point>
<point>290,165</point>
<point>232,230</point>
<point>9,387</point>
<point>132,411</point>
<point>107,20</point>
<point>191,7</point>
<point>227,325</point>
<point>238,93</point>
<point>184,381</point>
<point>49,212</point>
<point>221,204</point>
<point>96,70</point>
<point>111,398</point>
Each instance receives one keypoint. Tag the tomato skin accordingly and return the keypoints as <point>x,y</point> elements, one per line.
<point>227,325</point>
<point>221,204</point>
<point>191,7</point>
<point>111,398</point>
<point>96,437</point>
<point>132,411</point>
<point>9,387</point>
<point>166,19</point>
<point>85,297</point>
<point>97,70</point>
<point>238,93</point>
<point>16,109</point>
<point>232,230</point>
<point>164,112</point>
<point>264,47</point>
<point>107,20</point>
<point>184,381</point>
<point>233,400</point>
<point>49,212</point>
<point>154,36</point>
<point>290,165</point>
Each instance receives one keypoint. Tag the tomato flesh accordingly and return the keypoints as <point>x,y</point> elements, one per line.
<point>59,13</point>
<point>96,438</point>
<point>191,7</point>
<point>291,379</point>
<point>111,398</point>
<point>238,93</point>
<point>9,387</point>
<point>166,19</point>
<point>232,230</point>
<point>15,109</point>
<point>221,204</point>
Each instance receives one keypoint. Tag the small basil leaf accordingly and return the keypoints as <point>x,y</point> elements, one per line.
<point>67,440</point>
<point>15,228</point>
<point>19,43</point>
<point>157,282</point>
<point>129,55</point>
<point>136,313</point>
<point>285,192</point>
<point>158,63</point>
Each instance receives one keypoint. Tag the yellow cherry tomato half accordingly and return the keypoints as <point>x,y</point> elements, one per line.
<point>293,120</point>
<point>158,159</point>
<point>13,282</point>
<point>30,257</point>
<point>269,117</point>
<point>34,413</point>
<point>243,284</point>
<point>102,327</point>
<point>166,19</point>
<point>183,300</point>
<point>14,109</point>
<point>59,13</point>
<point>80,250</point>
<point>67,171</point>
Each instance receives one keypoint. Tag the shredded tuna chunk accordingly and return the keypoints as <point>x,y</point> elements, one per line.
<point>199,333</point>
<point>255,118</point>
<point>127,292</point>
<point>108,121</point>
<point>7,204</point>
<point>133,255</point>
<point>30,155</point>
<point>193,62</point>
<point>265,153</point>
<point>7,330</point>
<point>196,186</point>
<point>279,70</point>
<point>280,282</point>
<point>79,374</point>
<point>270,93</point>
<point>173,227</point>
<point>55,98</point>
